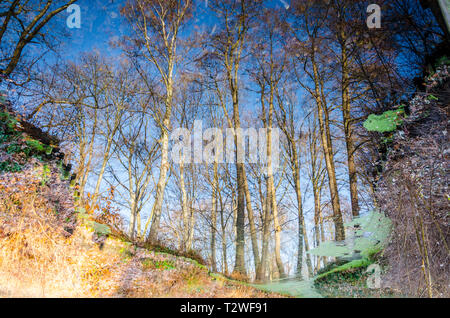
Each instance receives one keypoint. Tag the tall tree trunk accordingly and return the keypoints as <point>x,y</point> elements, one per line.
<point>262,274</point>
<point>224,237</point>
<point>352,176</point>
<point>132,200</point>
<point>317,219</point>
<point>300,210</point>
<point>251,221</point>
<point>214,217</point>
<point>161,185</point>
<point>138,226</point>
<point>271,192</point>
<point>239,266</point>
<point>191,226</point>
<point>132,229</point>
<point>324,124</point>
<point>184,208</point>
<point>308,256</point>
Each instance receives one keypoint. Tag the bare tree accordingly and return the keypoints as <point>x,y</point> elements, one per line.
<point>271,62</point>
<point>130,170</point>
<point>156,26</point>
<point>18,31</point>
<point>227,46</point>
<point>312,62</point>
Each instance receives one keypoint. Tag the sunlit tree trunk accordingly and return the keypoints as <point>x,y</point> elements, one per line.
<point>164,167</point>
<point>156,25</point>
<point>214,200</point>
<point>184,208</point>
<point>325,133</point>
<point>223,233</point>
<point>271,192</point>
<point>345,87</point>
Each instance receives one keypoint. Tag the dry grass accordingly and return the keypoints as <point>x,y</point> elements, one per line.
<point>39,259</point>
<point>40,253</point>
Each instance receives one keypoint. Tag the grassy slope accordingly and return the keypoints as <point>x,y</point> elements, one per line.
<point>144,273</point>
<point>48,249</point>
<point>75,267</point>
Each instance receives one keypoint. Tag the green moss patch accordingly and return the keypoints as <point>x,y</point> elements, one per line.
<point>386,122</point>
<point>150,264</point>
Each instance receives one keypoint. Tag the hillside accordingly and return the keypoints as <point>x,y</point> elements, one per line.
<point>49,248</point>
<point>412,190</point>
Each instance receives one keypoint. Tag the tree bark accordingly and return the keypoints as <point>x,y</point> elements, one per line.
<point>214,217</point>
<point>324,124</point>
<point>345,87</point>
<point>271,192</point>
<point>251,221</point>
<point>161,185</point>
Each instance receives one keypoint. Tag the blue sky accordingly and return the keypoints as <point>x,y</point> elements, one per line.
<point>101,22</point>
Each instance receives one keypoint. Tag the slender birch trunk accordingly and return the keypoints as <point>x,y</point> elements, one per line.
<point>184,208</point>
<point>271,192</point>
<point>214,198</point>
<point>325,134</point>
<point>345,87</point>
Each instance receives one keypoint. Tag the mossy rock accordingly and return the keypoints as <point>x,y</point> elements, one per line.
<point>100,229</point>
<point>350,267</point>
<point>36,147</point>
